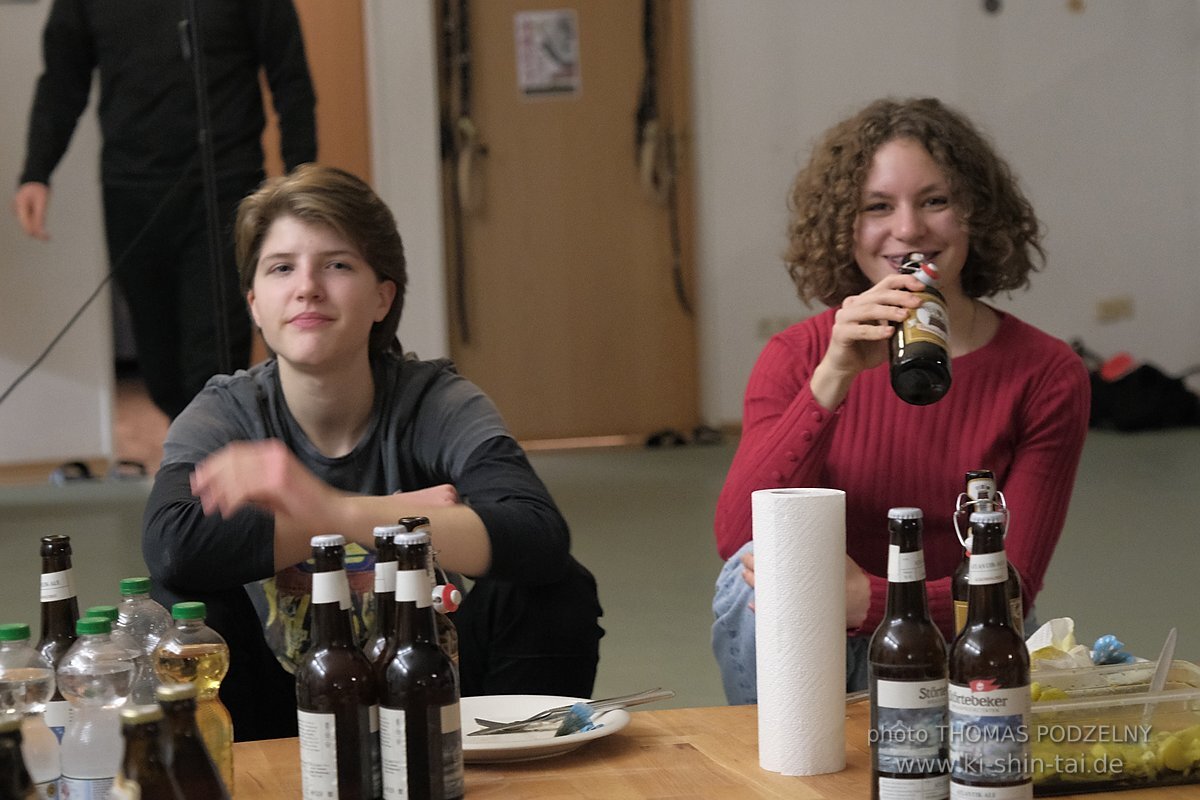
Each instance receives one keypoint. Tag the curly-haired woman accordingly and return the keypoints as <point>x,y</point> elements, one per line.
<point>896,178</point>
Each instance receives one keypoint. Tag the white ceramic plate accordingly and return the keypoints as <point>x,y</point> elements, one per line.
<point>525,745</point>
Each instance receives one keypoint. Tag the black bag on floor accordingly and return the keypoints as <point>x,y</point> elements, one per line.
<point>1141,399</point>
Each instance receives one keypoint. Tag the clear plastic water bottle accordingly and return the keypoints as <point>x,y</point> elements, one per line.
<point>192,652</point>
<point>142,662</point>
<point>145,622</point>
<point>26,684</point>
<point>95,676</point>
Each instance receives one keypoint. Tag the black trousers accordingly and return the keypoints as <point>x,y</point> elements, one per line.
<point>512,640</point>
<point>158,248</point>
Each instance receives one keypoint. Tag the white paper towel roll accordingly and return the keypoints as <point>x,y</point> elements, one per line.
<point>800,629</point>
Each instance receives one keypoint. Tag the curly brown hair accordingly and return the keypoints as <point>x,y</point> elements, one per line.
<point>335,198</point>
<point>827,192</point>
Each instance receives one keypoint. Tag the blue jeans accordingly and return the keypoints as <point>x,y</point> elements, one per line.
<point>733,637</point>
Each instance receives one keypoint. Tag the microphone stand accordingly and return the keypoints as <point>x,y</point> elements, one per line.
<point>193,52</point>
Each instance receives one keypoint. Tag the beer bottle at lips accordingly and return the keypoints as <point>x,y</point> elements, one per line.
<point>420,731</point>
<point>188,759</point>
<point>26,684</point>
<point>60,611</point>
<point>907,676</point>
<point>14,778</point>
<point>989,679</point>
<point>384,622</point>
<point>144,774</point>
<point>920,347</point>
<point>981,495</point>
<point>336,701</point>
<point>192,652</point>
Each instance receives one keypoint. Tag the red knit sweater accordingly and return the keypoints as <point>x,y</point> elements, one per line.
<point>1017,406</point>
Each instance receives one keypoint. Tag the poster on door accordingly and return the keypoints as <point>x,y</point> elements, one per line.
<point>547,53</point>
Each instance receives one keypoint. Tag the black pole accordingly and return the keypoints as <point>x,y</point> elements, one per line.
<point>189,30</point>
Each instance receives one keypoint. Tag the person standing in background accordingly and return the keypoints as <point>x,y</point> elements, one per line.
<point>150,165</point>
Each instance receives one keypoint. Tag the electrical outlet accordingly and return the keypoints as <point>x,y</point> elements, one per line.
<point>1114,309</point>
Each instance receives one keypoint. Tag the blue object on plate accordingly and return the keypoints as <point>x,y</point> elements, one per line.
<point>578,720</point>
<point>1108,650</point>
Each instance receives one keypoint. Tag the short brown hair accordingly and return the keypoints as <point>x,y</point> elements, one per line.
<point>826,194</point>
<point>333,197</point>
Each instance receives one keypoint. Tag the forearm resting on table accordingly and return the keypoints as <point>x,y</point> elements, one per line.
<point>459,536</point>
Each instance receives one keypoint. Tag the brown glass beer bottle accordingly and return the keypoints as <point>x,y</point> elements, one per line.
<point>920,347</point>
<point>989,679</point>
<point>60,611</point>
<point>336,703</point>
<point>144,772</point>
<point>981,495</point>
<point>420,731</point>
<point>188,759</point>
<point>907,676</point>
<point>384,622</point>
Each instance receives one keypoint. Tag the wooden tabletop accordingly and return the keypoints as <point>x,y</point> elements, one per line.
<point>670,753</point>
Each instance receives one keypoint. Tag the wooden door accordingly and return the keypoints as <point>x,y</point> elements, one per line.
<point>572,304</point>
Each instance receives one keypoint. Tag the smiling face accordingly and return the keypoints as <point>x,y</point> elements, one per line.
<point>906,207</point>
<point>314,296</point>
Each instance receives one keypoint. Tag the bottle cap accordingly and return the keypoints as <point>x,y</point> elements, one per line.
<point>412,523</point>
<point>413,538</point>
<point>134,586</point>
<point>92,625</point>
<point>905,512</point>
<point>170,692</point>
<point>388,531</point>
<point>14,632</point>
<point>105,612</point>
<point>189,610</point>
<point>987,517</point>
<point>328,540</point>
<point>136,715</point>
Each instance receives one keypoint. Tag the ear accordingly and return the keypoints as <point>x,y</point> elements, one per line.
<point>387,294</point>
<point>253,309</point>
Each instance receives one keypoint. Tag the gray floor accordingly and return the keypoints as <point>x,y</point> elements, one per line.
<point>641,520</point>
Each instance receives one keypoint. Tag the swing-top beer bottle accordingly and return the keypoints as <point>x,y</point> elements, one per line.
<point>384,622</point>
<point>907,676</point>
<point>981,495</point>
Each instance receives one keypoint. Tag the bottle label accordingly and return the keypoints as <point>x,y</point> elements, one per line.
<point>57,586</point>
<point>909,725</point>
<point>936,787</point>
<point>385,576</point>
<point>1022,792</point>
<point>988,568</point>
<point>318,753</point>
<point>905,567</point>
<point>452,753</point>
<point>960,615</point>
<point>989,735</point>
<point>393,753</point>
<point>331,587</point>
<point>412,586</point>
<point>86,788</point>
<point>47,790</point>
<point>928,322</point>
<point>57,715</point>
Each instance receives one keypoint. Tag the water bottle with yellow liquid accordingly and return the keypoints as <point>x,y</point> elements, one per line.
<point>192,652</point>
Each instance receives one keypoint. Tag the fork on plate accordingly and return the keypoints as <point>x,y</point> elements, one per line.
<point>558,713</point>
